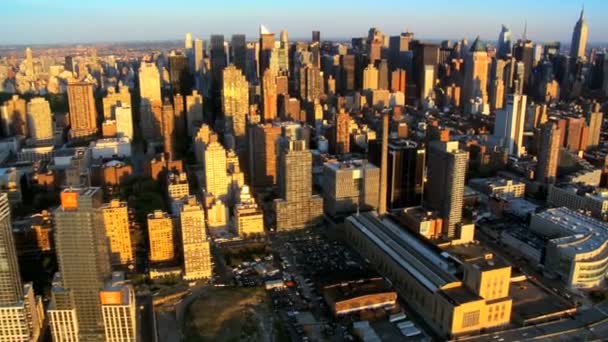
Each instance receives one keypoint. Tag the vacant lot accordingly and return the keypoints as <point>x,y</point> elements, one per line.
<point>231,314</point>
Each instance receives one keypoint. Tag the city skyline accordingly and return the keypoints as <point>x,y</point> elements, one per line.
<point>115,22</point>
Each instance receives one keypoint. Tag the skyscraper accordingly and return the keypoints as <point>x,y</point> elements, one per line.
<point>383,74</point>
<point>19,319</point>
<point>198,55</point>
<point>168,129</point>
<point>194,112</point>
<point>235,102</point>
<point>149,83</point>
<point>579,38</point>
<point>347,69</point>
<point>397,46</point>
<point>595,118</point>
<point>262,155</point>
<point>119,309</point>
<point>342,132</point>
<point>266,48</point>
<point>83,115</point>
<point>40,120</point>
<point>383,165</point>
<point>188,41</point>
<point>269,95</point>
<point>548,153</point>
<point>216,180</point>
<point>13,113</point>
<point>476,75</point>
<point>398,81</point>
<point>297,207</point>
<point>503,48</point>
<point>370,78</point>
<point>83,256</point>
<point>179,74</point>
<point>29,62</point>
<point>196,248</point>
<point>447,166</point>
<point>160,237</point>
<point>239,51</point>
<point>311,83</point>
<point>425,59</point>
<point>509,124</point>
<point>124,121</point>
<point>577,134</point>
<point>248,218</point>
<point>115,216</point>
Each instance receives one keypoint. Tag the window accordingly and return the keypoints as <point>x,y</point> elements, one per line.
<point>470,319</point>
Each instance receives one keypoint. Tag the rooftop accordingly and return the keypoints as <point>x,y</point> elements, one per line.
<point>353,289</point>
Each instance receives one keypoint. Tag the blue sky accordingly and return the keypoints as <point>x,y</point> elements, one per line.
<point>51,21</point>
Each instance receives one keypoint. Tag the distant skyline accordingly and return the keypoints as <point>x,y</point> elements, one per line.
<point>47,22</point>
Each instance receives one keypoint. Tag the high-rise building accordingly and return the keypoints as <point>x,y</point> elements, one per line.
<point>579,38</point>
<point>239,51</point>
<point>397,46</point>
<point>168,129</point>
<point>347,71</point>
<point>195,247</point>
<point>115,216</point>
<point>595,118</point>
<point>124,121</point>
<point>83,256</point>
<point>383,74</point>
<point>269,95</point>
<point>311,83</point>
<point>248,218</point>
<point>316,36</point>
<point>216,180</point>
<point>398,81</point>
<point>119,309</point>
<point>350,186</point>
<point>548,154</point>
<point>383,165</point>
<point>509,124</point>
<point>177,185</point>
<point>370,78</point>
<point>198,55</point>
<point>341,137</point>
<point>83,115</point>
<point>476,75</point>
<point>113,99</point>
<point>577,134</point>
<point>297,207</point>
<point>503,47</point>
<point>149,83</point>
<point>425,59</point>
<point>179,74</point>
<point>447,166</point>
<point>235,102</point>
<point>188,41</point>
<point>40,120</point>
<point>523,52</point>
<point>29,62</point>
<point>194,112</point>
<point>283,52</point>
<point>405,172</point>
<point>266,48</point>
<point>13,113</point>
<point>160,237</point>
<point>19,308</point>
<point>262,155</point>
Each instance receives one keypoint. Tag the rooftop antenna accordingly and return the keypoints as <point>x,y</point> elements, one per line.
<point>525,35</point>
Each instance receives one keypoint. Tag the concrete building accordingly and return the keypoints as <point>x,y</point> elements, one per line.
<point>177,186</point>
<point>297,206</point>
<point>21,314</point>
<point>509,124</point>
<point>497,185</point>
<point>370,78</point>
<point>577,197</point>
<point>114,99</point>
<point>262,155</point>
<point>341,143</point>
<point>577,250</point>
<point>579,38</point>
<point>235,102</point>
<point>216,179</point>
<point>269,95</point>
<point>110,147</point>
<point>83,113</point>
<point>115,216</point>
<point>548,155</point>
<point>595,119</point>
<point>476,67</point>
<point>194,112</point>
<point>160,237</point>
<point>427,277</point>
<point>195,247</point>
<point>447,165</point>
<point>350,186</point>
<point>421,221</point>
<point>216,215</point>
<point>40,121</point>
<point>124,121</point>
<point>13,116</point>
<point>119,309</point>
<point>248,218</point>
<point>83,256</point>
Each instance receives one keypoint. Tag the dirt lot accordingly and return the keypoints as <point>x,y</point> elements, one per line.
<point>232,314</point>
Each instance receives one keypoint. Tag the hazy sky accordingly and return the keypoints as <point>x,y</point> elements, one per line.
<point>58,21</point>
